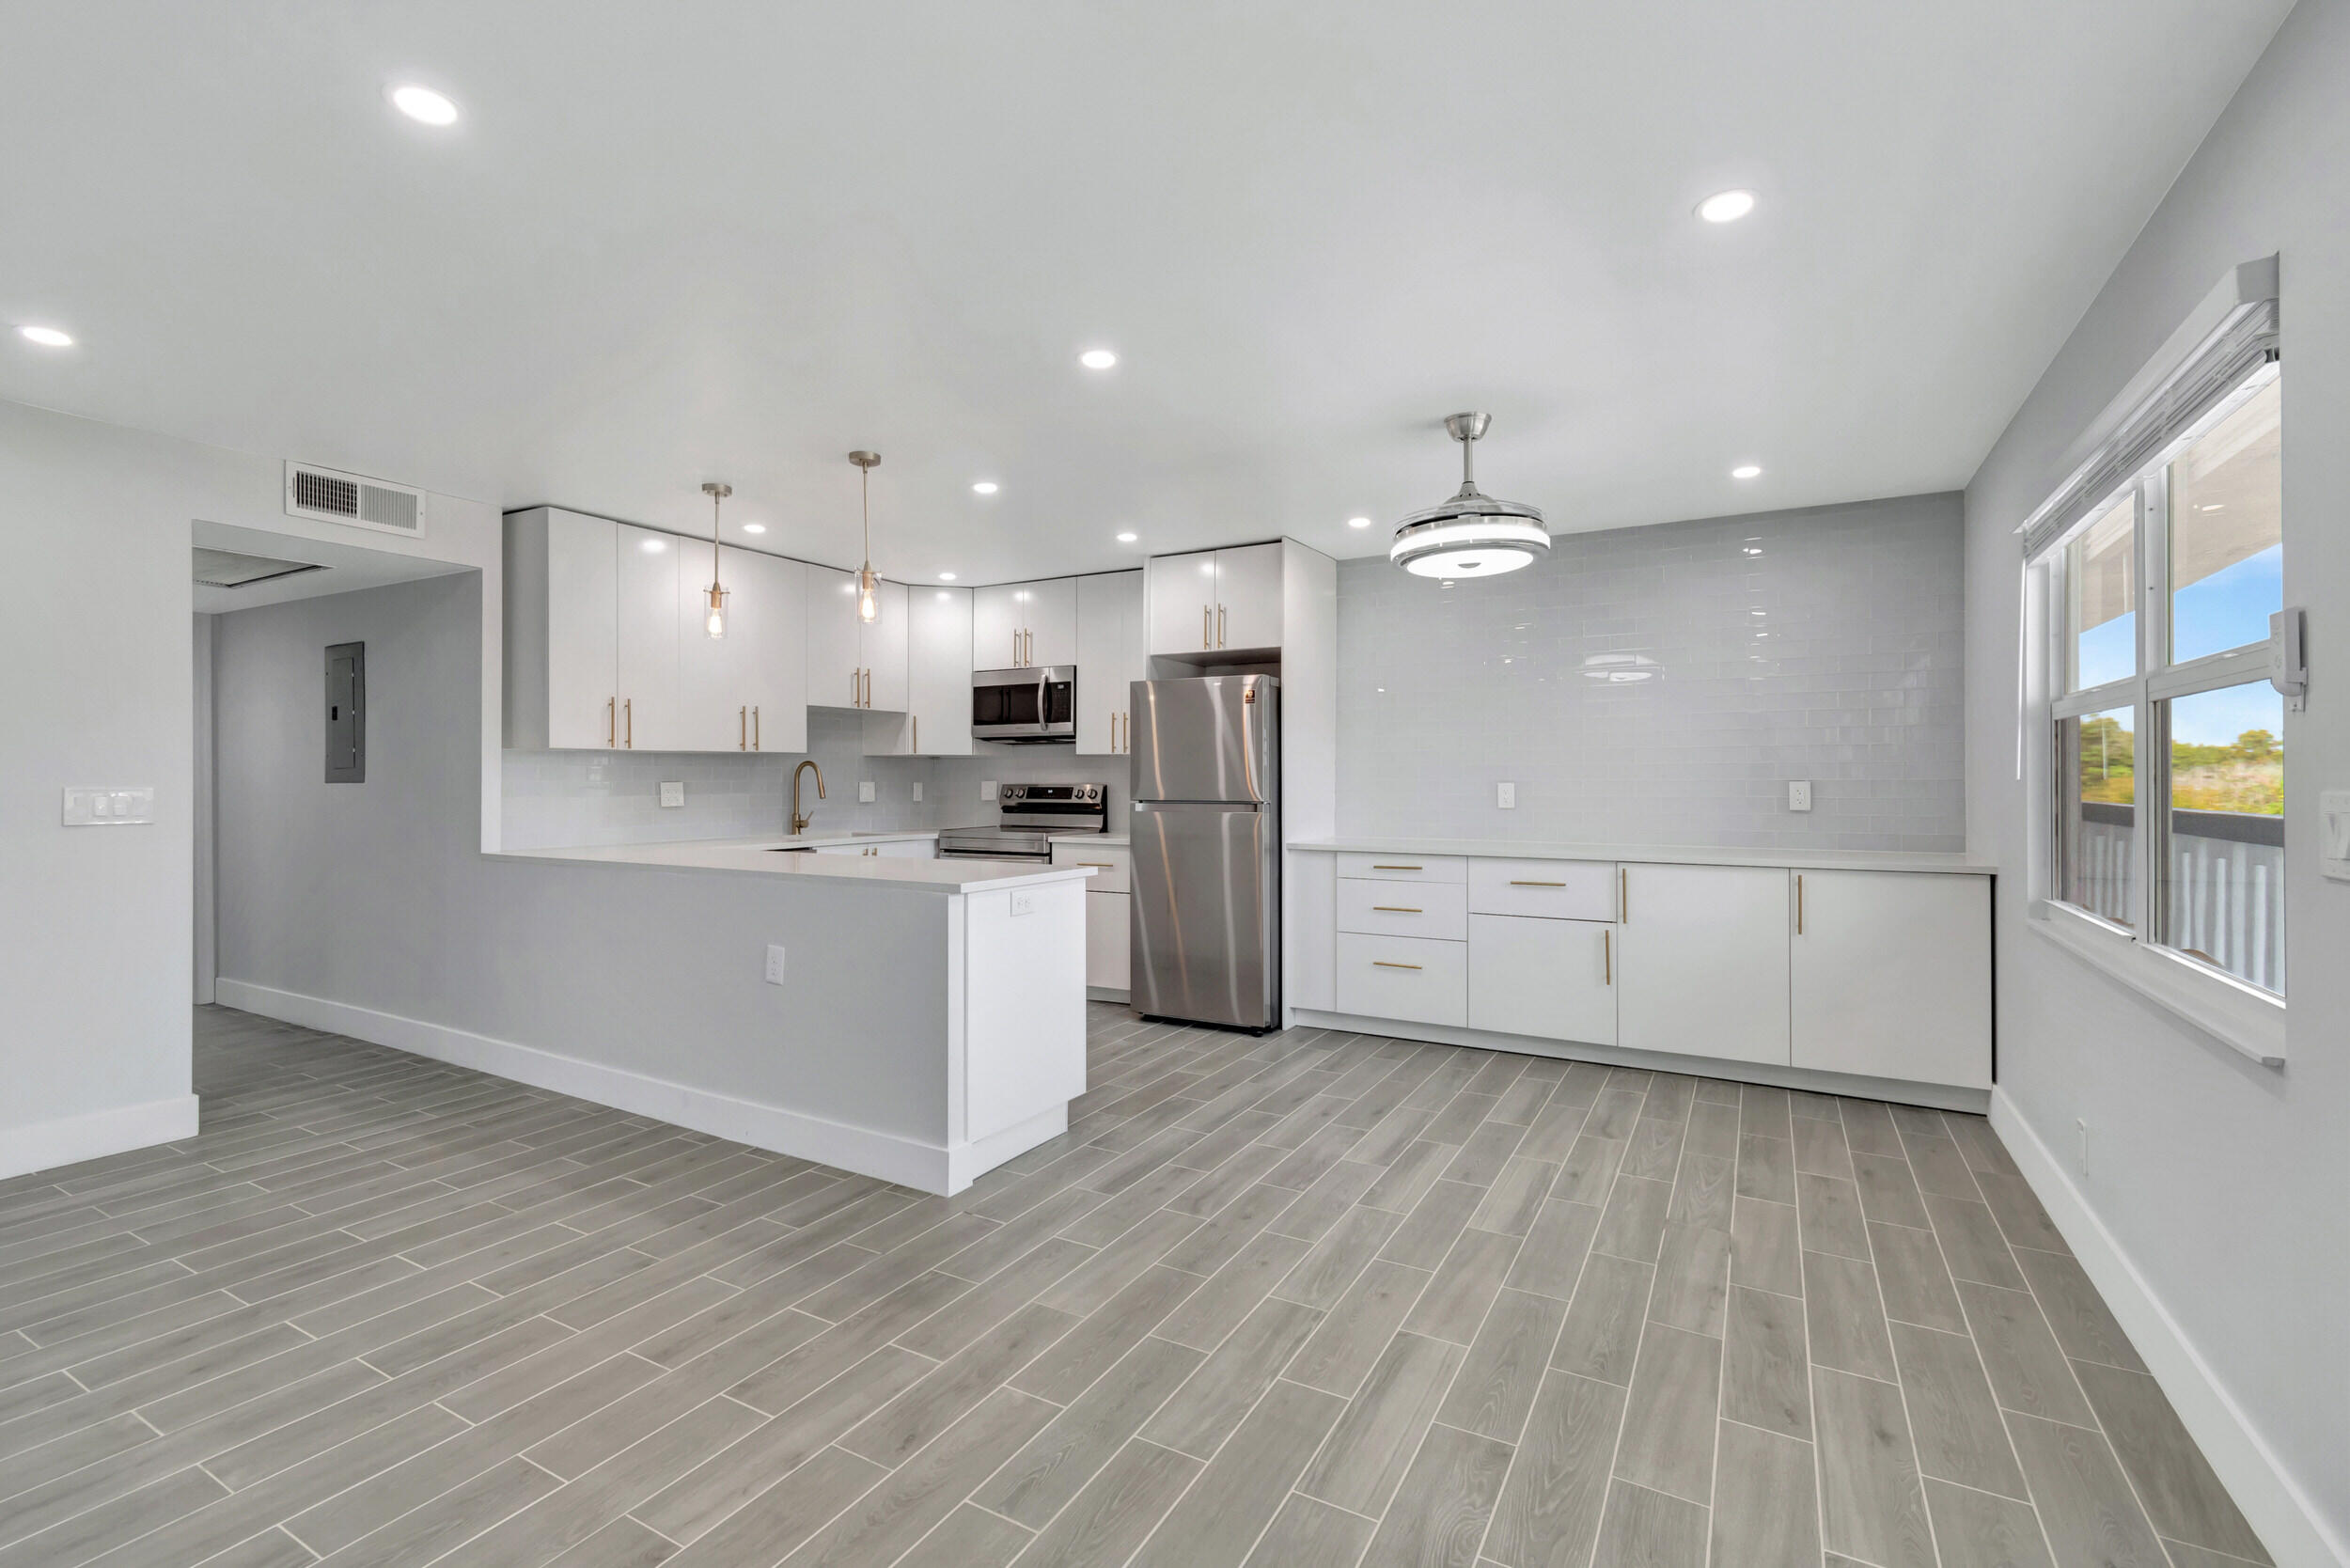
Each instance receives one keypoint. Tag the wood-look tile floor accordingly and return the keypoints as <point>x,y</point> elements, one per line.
<point>1314,1301</point>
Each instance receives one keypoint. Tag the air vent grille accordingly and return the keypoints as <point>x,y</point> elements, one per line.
<point>353,499</point>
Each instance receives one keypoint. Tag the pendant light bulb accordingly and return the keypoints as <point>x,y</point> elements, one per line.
<point>715,596</point>
<point>868,583</point>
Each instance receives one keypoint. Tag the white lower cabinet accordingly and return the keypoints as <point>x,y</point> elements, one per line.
<point>1704,967</point>
<point>1109,943</point>
<point>1891,976</point>
<point>1416,978</point>
<point>1553,979</point>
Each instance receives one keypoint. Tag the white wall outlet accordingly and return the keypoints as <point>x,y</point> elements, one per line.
<point>1506,796</point>
<point>2080,1140</point>
<point>2333,833</point>
<point>987,791</point>
<point>114,807</point>
<point>1799,795</point>
<point>917,792</point>
<point>1022,903</point>
<point>672,794</point>
<point>775,963</point>
<point>865,791</point>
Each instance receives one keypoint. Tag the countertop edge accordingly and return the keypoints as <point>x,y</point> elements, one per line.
<point>1926,863</point>
<point>814,871</point>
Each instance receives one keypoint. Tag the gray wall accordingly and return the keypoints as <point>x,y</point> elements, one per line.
<point>2223,1181</point>
<point>1849,676</point>
<point>601,797</point>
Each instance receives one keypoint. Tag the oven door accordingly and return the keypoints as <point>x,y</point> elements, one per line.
<point>1007,704</point>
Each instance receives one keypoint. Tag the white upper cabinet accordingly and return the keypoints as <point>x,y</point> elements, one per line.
<point>1111,657</point>
<point>883,643</point>
<point>1891,976</point>
<point>937,720</point>
<point>1217,603</point>
<point>1702,966</point>
<point>767,618</point>
<point>1182,603</point>
<point>713,704</point>
<point>646,639</point>
<point>562,651</point>
<point>836,656</point>
<point>1017,625</point>
<point>1248,597</point>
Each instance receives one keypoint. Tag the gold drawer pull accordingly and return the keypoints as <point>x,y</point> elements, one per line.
<point>1383,963</point>
<point>1396,909</point>
<point>1103,864</point>
<point>1515,882</point>
<point>1399,868</point>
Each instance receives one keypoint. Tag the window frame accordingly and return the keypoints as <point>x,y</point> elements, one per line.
<point>2246,1015</point>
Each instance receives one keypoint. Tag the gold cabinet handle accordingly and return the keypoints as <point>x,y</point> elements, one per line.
<point>1207,627</point>
<point>1515,882</point>
<point>1607,958</point>
<point>1399,868</point>
<point>1219,625</point>
<point>611,720</point>
<point>1383,963</point>
<point>742,728</point>
<point>754,726</point>
<point>1098,865</point>
<point>1624,894</point>
<point>1396,909</point>
<point>1798,903</point>
<point>628,714</point>
<point>917,734</point>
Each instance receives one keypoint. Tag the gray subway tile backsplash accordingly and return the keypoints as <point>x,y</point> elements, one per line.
<point>1662,685</point>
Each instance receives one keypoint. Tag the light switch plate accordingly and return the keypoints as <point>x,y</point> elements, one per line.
<point>1506,796</point>
<point>865,791</point>
<point>987,791</point>
<point>672,794</point>
<point>2333,833</point>
<point>89,807</point>
<point>917,792</point>
<point>1022,903</point>
<point>1799,795</point>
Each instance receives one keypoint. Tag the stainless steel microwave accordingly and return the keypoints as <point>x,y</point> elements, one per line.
<point>1037,706</point>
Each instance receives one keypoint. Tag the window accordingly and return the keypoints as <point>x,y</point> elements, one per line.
<point>2167,741</point>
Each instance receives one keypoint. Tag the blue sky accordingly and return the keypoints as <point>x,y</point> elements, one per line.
<point>2227,609</point>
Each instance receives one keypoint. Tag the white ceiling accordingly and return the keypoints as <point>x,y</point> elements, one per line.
<point>693,241</point>
<point>349,568</point>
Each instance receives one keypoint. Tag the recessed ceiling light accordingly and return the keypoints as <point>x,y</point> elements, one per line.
<point>1358,522</point>
<point>985,487</point>
<point>1128,539</point>
<point>653,546</point>
<point>48,337</point>
<point>2208,506</point>
<point>423,104</point>
<point>1097,359</point>
<point>754,527</point>
<point>946,577</point>
<point>1746,471</point>
<point>1726,206</point>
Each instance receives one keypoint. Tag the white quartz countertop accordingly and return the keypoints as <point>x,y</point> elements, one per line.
<point>777,855</point>
<point>1664,855</point>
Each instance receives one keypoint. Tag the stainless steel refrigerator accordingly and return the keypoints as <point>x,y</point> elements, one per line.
<point>1207,850</point>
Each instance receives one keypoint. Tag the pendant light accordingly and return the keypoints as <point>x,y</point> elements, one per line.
<point>1472,535</point>
<point>715,596</point>
<point>867,584</point>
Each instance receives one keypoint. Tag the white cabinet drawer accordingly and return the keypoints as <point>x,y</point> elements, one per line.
<point>1405,868</point>
<point>1113,865</point>
<point>1554,980</point>
<point>1555,890</point>
<point>1405,978</point>
<point>1435,909</point>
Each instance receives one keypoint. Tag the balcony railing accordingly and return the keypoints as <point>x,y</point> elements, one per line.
<point>2225,883</point>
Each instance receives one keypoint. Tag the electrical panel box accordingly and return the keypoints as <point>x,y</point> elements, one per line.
<point>346,713</point>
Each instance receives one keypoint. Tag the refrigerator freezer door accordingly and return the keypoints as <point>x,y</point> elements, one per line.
<point>1206,914</point>
<point>1205,738</point>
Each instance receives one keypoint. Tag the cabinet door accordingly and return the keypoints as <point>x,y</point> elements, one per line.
<point>646,641</point>
<point>1109,947</point>
<point>1704,967</point>
<point>836,655</point>
<point>1182,603</point>
<point>582,600</point>
<point>1248,597</point>
<point>1891,976</point>
<point>713,703</point>
<point>1050,621</point>
<point>769,613</point>
<point>1553,979</point>
<point>938,674</point>
<point>909,849</point>
<point>995,627</point>
<point>1407,978</point>
<point>883,644</point>
<point>1110,659</point>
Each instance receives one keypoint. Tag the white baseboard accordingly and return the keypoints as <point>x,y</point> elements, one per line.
<point>94,1134</point>
<point>886,1156</point>
<point>2276,1508</point>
